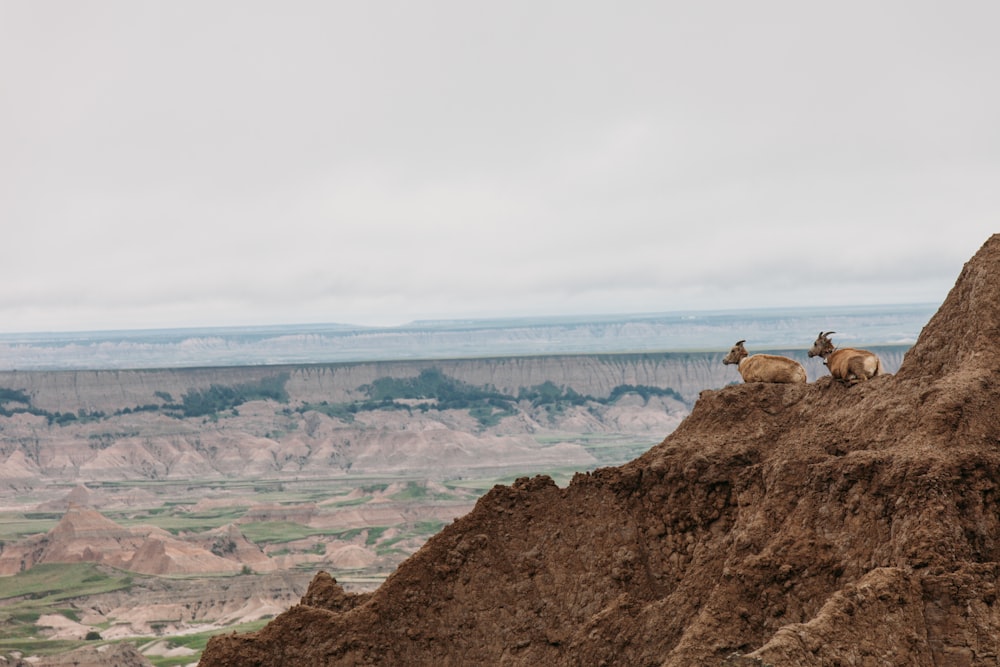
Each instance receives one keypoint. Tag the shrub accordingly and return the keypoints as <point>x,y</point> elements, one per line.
<point>218,398</point>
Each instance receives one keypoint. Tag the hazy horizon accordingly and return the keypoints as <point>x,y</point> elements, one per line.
<point>679,331</point>
<point>583,317</point>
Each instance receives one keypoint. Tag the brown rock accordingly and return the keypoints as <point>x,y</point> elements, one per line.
<point>324,592</point>
<point>779,524</point>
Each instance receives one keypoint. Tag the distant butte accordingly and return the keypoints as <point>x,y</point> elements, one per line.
<point>802,525</point>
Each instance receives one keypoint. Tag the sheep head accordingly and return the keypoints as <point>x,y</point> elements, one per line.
<point>736,354</point>
<point>823,346</point>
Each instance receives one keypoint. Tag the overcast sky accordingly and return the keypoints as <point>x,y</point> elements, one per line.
<point>215,163</point>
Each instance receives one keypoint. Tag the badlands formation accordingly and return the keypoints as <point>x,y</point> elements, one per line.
<point>808,524</point>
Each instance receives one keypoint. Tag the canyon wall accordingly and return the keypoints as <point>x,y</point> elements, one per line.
<point>687,373</point>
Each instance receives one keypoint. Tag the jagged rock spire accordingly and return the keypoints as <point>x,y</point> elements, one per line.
<point>965,331</point>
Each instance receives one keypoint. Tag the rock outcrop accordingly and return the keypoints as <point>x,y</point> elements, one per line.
<point>167,606</point>
<point>809,525</point>
<point>84,535</point>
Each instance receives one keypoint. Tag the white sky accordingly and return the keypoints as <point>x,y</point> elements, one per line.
<point>214,163</point>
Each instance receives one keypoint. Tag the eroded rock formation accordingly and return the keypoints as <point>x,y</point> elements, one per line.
<point>813,525</point>
<point>84,535</point>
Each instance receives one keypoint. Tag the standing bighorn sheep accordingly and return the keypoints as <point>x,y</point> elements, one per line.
<point>764,367</point>
<point>846,364</point>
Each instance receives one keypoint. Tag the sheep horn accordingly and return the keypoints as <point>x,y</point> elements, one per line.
<point>740,342</point>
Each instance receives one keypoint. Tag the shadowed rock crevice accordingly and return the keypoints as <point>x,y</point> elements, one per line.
<point>813,524</point>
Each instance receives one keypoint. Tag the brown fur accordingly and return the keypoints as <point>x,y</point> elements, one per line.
<point>846,364</point>
<point>765,367</point>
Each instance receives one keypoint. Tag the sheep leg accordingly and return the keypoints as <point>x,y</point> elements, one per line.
<point>856,370</point>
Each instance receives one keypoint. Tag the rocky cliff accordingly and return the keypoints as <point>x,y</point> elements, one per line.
<point>595,375</point>
<point>810,525</point>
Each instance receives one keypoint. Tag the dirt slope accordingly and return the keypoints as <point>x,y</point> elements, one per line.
<point>802,525</point>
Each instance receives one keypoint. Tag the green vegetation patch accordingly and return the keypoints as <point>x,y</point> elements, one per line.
<point>16,401</point>
<point>16,526</point>
<point>350,502</point>
<point>178,521</point>
<point>433,390</point>
<point>428,528</point>
<point>40,647</point>
<point>44,589</point>
<point>279,532</point>
<point>14,396</point>
<point>412,491</point>
<point>342,411</point>
<point>422,529</point>
<point>219,398</point>
<point>60,581</point>
<point>430,390</point>
<point>374,535</point>
<point>197,642</point>
<point>415,491</point>
<point>645,391</point>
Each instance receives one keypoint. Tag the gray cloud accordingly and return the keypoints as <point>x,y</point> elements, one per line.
<point>172,164</point>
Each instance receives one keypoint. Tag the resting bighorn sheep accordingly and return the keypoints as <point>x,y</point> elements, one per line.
<point>764,367</point>
<point>846,364</point>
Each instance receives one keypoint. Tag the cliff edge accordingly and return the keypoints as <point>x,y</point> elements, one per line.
<point>813,524</point>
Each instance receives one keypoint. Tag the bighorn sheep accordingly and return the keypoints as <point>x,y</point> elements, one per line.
<point>764,367</point>
<point>846,364</point>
